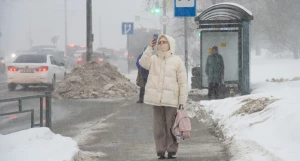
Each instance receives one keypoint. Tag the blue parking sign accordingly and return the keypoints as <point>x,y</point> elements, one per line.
<point>127,28</point>
<point>185,8</point>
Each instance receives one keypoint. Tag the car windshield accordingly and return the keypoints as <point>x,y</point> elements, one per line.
<point>31,59</point>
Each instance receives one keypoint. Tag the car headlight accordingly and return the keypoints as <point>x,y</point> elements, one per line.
<point>2,61</point>
<point>13,55</point>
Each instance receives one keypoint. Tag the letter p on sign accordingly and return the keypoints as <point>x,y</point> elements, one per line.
<point>185,3</point>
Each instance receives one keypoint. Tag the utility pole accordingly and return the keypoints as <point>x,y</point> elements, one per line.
<point>66,27</point>
<point>89,32</point>
<point>165,13</point>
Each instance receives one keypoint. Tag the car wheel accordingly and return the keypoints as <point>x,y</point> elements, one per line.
<point>53,85</point>
<point>12,87</point>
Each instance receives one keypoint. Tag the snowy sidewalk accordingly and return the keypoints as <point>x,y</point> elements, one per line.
<point>127,135</point>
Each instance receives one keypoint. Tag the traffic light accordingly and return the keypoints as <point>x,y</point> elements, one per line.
<point>157,9</point>
<point>199,34</point>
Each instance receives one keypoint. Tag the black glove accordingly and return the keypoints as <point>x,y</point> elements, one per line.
<point>180,107</point>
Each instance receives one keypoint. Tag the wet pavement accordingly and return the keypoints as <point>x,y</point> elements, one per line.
<point>127,135</point>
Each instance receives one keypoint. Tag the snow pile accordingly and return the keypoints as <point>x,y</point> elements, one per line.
<point>270,133</point>
<point>95,80</point>
<point>35,145</point>
<point>88,156</point>
<point>192,108</point>
<point>254,105</point>
<point>263,126</point>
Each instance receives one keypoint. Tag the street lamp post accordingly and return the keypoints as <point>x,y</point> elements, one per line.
<point>66,27</point>
<point>89,33</point>
<point>165,13</point>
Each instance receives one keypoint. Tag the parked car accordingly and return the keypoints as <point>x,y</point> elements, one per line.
<point>95,56</point>
<point>35,70</point>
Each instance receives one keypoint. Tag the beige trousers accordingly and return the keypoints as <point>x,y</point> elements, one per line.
<point>163,119</point>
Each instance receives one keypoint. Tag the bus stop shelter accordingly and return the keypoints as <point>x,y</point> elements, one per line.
<point>227,26</point>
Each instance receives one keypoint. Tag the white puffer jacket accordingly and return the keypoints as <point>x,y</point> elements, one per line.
<point>167,81</point>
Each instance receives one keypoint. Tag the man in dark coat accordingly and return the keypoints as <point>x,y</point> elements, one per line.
<point>141,79</point>
<point>215,72</point>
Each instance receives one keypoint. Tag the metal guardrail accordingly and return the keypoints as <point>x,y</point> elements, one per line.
<point>47,97</point>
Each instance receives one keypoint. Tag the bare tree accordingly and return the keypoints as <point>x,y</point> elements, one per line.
<point>149,4</point>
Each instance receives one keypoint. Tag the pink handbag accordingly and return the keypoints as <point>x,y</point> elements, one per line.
<point>182,126</point>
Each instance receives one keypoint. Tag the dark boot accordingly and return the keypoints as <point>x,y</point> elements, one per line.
<point>161,155</point>
<point>171,155</point>
<point>210,90</point>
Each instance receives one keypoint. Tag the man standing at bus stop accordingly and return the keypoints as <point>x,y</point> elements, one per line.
<point>215,72</point>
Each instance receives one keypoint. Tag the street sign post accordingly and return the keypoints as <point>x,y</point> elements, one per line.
<point>127,29</point>
<point>185,8</point>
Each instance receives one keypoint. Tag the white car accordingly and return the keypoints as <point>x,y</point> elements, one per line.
<point>35,70</point>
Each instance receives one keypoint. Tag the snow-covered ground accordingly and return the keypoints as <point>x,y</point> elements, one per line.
<point>37,144</point>
<point>268,135</point>
<point>41,144</point>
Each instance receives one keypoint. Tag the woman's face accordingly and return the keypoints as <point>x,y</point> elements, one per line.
<point>163,45</point>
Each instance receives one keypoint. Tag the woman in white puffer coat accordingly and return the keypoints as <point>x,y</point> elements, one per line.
<point>166,90</point>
